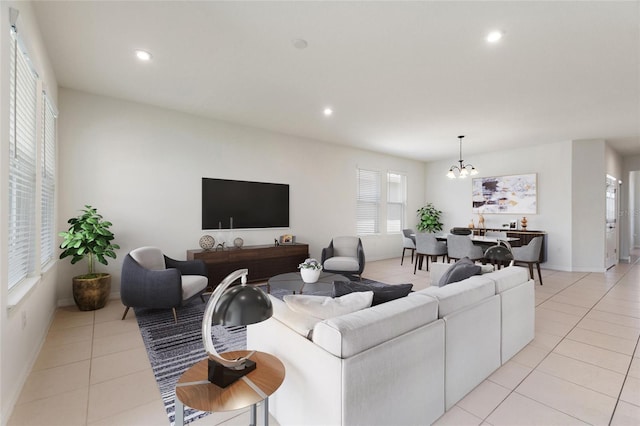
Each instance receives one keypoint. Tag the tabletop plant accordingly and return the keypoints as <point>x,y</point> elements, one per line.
<point>429,218</point>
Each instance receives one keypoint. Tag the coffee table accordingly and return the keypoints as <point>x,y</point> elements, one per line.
<point>292,281</point>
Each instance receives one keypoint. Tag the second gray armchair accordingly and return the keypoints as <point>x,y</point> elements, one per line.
<point>529,255</point>
<point>344,255</point>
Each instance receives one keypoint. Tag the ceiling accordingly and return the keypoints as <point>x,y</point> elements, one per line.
<point>404,78</point>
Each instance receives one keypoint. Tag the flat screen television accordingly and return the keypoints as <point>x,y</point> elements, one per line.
<point>237,204</point>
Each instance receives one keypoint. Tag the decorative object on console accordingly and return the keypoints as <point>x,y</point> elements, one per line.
<point>462,170</point>
<point>287,239</point>
<point>240,305</point>
<point>523,223</point>
<point>515,194</point>
<point>89,237</point>
<point>238,242</point>
<point>207,242</point>
<point>513,224</point>
<point>429,218</point>
<point>480,220</point>
<point>310,270</point>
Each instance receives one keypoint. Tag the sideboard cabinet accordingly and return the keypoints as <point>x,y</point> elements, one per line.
<point>523,238</point>
<point>263,261</point>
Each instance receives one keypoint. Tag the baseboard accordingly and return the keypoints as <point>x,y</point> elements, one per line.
<point>71,302</point>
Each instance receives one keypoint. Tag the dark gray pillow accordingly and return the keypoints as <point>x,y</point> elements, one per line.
<point>461,270</point>
<point>381,294</point>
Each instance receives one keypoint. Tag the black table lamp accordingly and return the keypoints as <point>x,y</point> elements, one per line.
<point>239,305</point>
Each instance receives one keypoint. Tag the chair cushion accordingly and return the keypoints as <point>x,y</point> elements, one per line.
<point>326,307</point>
<point>192,285</point>
<point>149,258</point>
<point>461,270</point>
<point>341,263</point>
<point>380,294</point>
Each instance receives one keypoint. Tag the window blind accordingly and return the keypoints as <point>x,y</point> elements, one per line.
<point>47,172</point>
<point>396,202</point>
<point>22,166</point>
<point>368,201</point>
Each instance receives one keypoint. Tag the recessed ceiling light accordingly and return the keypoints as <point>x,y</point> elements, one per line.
<point>327,112</point>
<point>299,43</point>
<point>143,55</point>
<point>494,36</point>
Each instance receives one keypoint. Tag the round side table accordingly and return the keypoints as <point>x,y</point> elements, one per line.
<point>194,389</point>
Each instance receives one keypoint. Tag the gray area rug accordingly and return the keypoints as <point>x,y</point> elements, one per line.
<point>173,348</point>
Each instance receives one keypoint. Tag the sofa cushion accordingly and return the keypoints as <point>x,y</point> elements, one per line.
<point>381,294</point>
<point>300,323</point>
<point>327,307</point>
<point>461,270</point>
<point>509,277</point>
<point>356,332</point>
<point>456,296</point>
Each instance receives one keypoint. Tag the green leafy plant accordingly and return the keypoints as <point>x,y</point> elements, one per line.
<point>310,264</point>
<point>88,237</point>
<point>429,218</point>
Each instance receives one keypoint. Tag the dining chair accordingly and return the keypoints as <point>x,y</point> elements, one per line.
<point>459,246</point>
<point>529,254</point>
<point>428,246</point>
<point>408,242</point>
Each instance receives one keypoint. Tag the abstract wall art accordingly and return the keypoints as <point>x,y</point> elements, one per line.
<point>514,194</point>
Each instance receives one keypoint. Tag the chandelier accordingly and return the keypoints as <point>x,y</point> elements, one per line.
<point>463,170</point>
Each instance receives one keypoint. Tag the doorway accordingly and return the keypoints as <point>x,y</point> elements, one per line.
<point>611,226</point>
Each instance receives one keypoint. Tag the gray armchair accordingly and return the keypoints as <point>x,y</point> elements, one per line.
<point>529,255</point>
<point>344,254</point>
<point>427,245</point>
<point>459,246</point>
<point>153,280</point>
<point>408,242</point>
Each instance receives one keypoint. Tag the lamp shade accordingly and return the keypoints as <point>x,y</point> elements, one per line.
<point>242,305</point>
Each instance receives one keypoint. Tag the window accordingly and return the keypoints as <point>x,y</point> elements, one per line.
<point>368,202</point>
<point>22,165</point>
<point>396,201</point>
<point>48,182</point>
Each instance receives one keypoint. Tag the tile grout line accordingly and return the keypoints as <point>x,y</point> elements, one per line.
<point>563,338</point>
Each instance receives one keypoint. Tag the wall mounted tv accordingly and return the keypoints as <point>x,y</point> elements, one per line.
<point>236,204</point>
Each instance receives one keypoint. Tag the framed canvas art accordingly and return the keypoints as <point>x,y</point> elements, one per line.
<point>513,194</point>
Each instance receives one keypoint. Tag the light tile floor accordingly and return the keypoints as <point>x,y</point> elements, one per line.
<point>583,367</point>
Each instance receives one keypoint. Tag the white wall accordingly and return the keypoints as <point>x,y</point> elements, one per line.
<point>20,343</point>
<point>142,166</point>
<point>588,205</point>
<point>551,162</point>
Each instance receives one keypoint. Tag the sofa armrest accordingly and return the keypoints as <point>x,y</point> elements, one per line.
<point>149,288</point>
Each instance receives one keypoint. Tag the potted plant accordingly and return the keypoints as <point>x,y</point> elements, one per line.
<point>89,237</point>
<point>310,270</point>
<point>429,218</point>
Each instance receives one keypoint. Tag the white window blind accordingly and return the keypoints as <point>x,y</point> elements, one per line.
<point>47,172</point>
<point>396,202</point>
<point>368,202</point>
<point>22,166</point>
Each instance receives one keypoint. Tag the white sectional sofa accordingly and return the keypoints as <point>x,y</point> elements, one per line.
<point>402,362</point>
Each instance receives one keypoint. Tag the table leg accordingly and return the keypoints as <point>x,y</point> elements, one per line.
<point>254,411</point>
<point>266,411</point>
<point>179,413</point>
